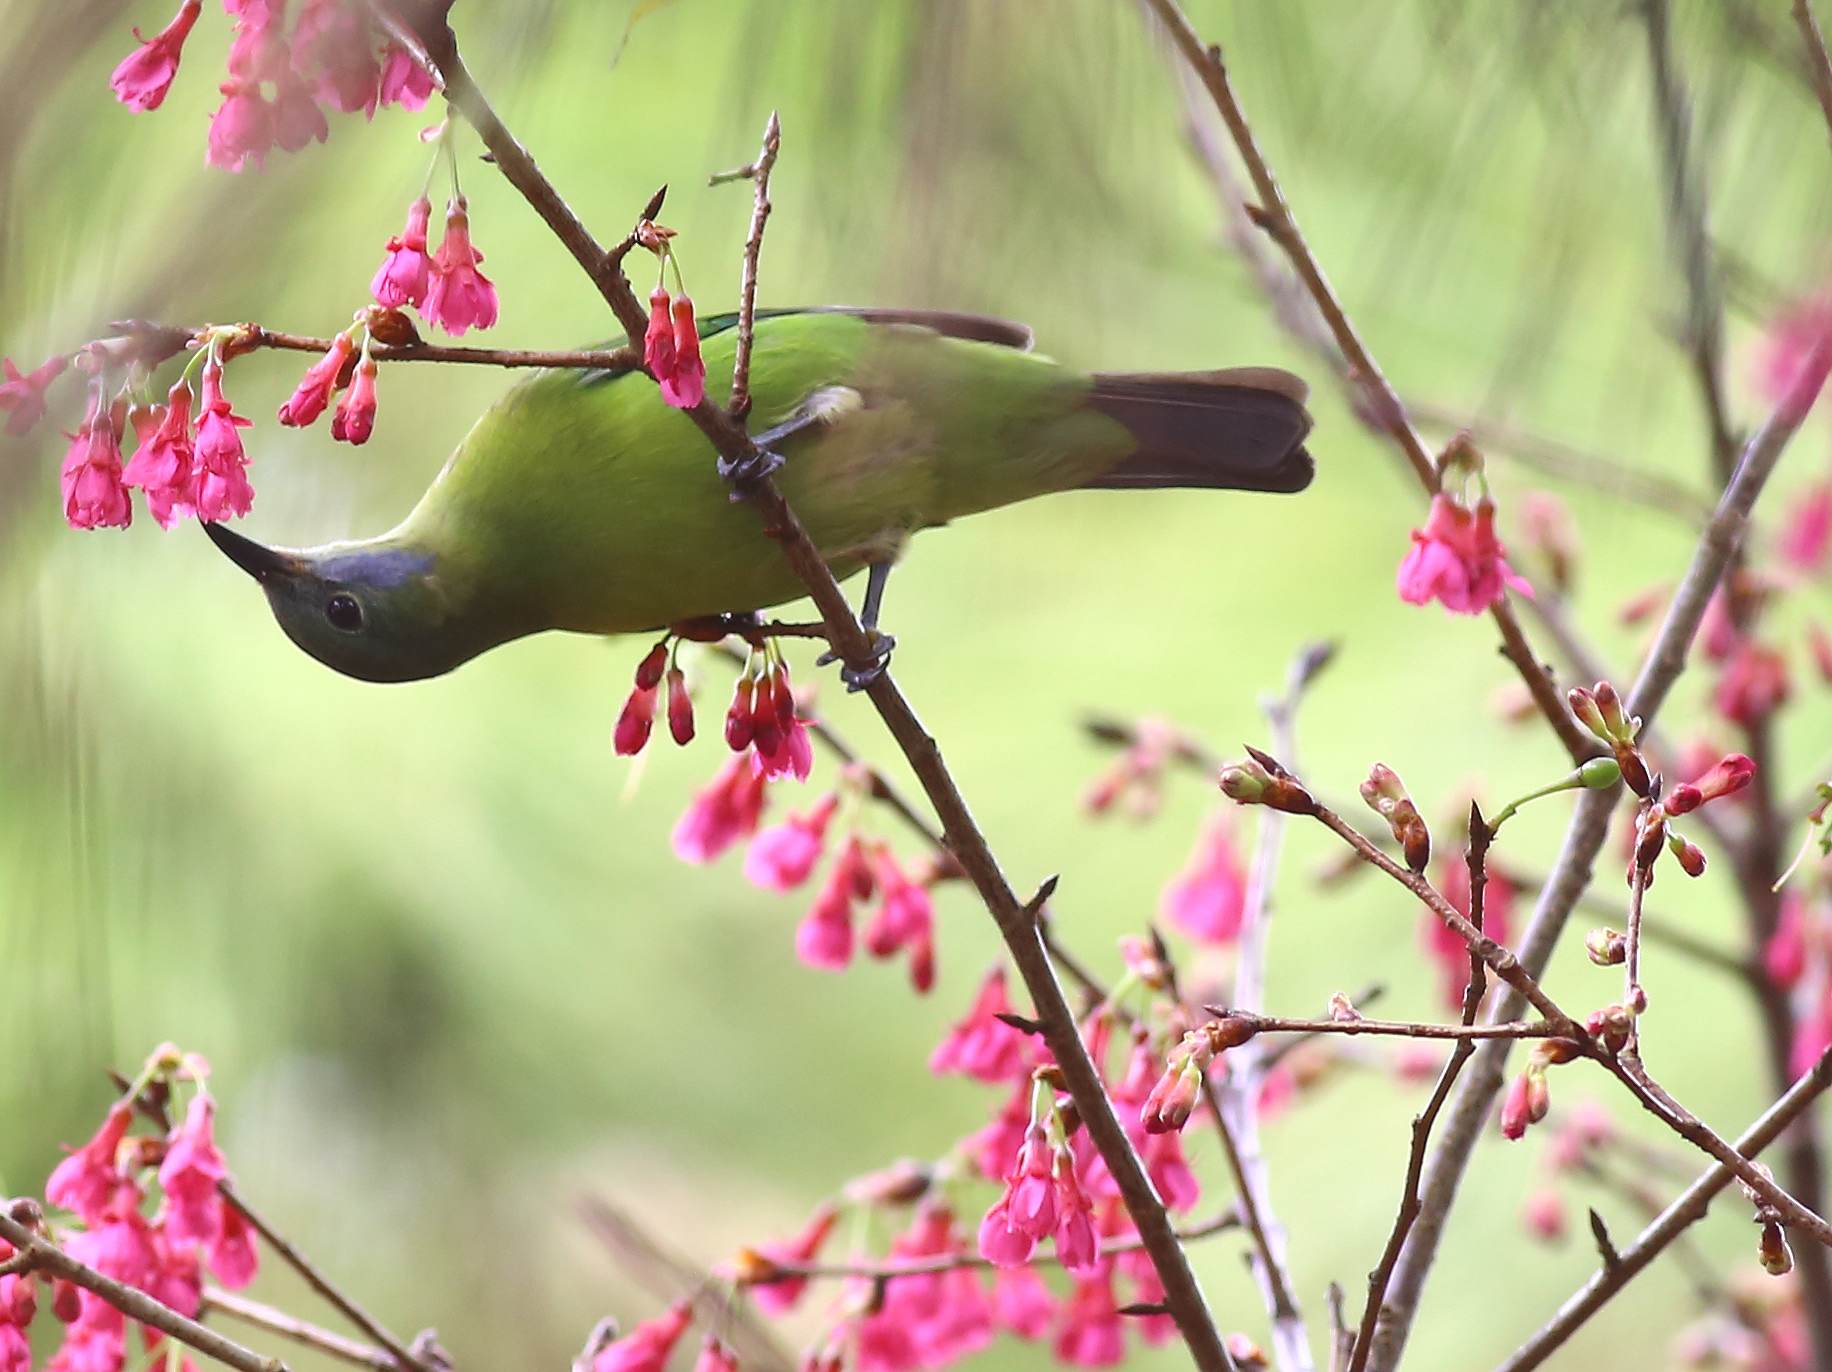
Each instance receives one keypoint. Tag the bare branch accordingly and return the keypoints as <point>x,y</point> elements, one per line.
<point>1818,63</point>
<point>215,1299</point>
<point>759,173</point>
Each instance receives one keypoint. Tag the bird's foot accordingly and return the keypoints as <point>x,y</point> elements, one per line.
<point>744,474</point>
<point>861,678</point>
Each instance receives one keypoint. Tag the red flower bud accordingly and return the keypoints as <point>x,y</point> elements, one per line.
<point>738,717</point>
<point>1726,777</point>
<point>649,670</point>
<point>634,723</point>
<point>680,707</point>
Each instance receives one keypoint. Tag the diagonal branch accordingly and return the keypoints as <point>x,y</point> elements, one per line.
<point>1381,405</point>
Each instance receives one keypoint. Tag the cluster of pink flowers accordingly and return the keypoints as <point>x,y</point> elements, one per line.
<point>446,285</point>
<point>106,1186</point>
<point>335,55</point>
<point>185,470</point>
<point>338,369</point>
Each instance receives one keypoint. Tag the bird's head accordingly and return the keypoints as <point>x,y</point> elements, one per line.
<point>376,610</point>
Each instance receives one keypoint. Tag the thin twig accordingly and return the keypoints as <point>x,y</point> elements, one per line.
<point>759,172</point>
<point>323,1285</point>
<point>921,1267</point>
<point>1391,1028</point>
<point>1633,995</point>
<point>160,341</point>
<point>48,1258</point>
<point>741,459</point>
<point>215,1299</point>
<point>1381,405</point>
<point>1688,1207</point>
<point>1476,858</point>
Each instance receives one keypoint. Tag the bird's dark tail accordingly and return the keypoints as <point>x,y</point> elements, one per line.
<point>1239,430</point>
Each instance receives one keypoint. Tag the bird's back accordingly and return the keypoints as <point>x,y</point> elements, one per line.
<point>583,502</point>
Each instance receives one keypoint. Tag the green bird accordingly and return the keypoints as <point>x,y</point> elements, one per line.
<point>582,502</point>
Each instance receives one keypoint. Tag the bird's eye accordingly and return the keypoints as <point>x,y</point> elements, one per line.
<point>344,613</point>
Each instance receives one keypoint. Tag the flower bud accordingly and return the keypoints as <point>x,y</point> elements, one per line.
<point>1610,1026</point>
<point>649,670</point>
<point>1173,1098</point>
<point>1600,773</point>
<point>1584,707</point>
<point>1606,947</point>
<point>1609,705</point>
<point>680,707</point>
<point>1516,1109</point>
<point>738,717</point>
<point>634,723</point>
<point>1650,836</point>
<point>1386,796</point>
<point>1244,782</point>
<point>1691,856</point>
<point>1777,1258</point>
<point>1342,1009</point>
<point>1551,1052</point>
<point>1726,777</point>
<point>1634,770</point>
<point>1544,1215</point>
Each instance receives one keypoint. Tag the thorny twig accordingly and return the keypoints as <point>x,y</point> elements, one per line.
<point>742,461</point>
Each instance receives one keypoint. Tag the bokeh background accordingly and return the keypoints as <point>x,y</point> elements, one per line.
<point>432,937</point>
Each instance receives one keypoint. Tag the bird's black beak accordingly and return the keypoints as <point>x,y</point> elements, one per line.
<point>262,563</point>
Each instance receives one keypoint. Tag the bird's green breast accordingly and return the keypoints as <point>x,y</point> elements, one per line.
<point>586,503</point>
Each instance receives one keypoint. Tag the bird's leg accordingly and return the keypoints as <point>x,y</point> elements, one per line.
<point>822,407</point>
<point>878,575</point>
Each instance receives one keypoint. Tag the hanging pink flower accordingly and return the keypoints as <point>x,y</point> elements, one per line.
<point>684,386</point>
<point>658,339</point>
<point>459,297</point>
<point>782,857</point>
<point>1457,560</point>
<point>242,129</point>
<point>824,940</point>
<point>1025,1211</point>
<point>406,271</point>
<point>780,1297</point>
<point>1209,898</point>
<point>1093,1332</point>
<point>1022,1303</point>
<point>1754,684</point>
<point>22,394</point>
<point>905,920</point>
<point>405,80</point>
<point>145,75</point>
<point>727,809</point>
<point>982,1045</point>
<point>313,394</point>
<point>297,120</point>
<point>233,1256</point>
<point>95,496</point>
<point>221,490</point>
<point>355,417</point>
<point>86,1182</point>
<point>193,1166</point>
<point>162,465</point>
<point>647,1347</point>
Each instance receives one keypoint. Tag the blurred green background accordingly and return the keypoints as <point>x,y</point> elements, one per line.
<point>432,937</point>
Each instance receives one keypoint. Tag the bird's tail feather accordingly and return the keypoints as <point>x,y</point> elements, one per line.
<point>1240,430</point>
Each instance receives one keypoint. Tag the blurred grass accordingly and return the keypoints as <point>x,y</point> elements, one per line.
<point>432,938</point>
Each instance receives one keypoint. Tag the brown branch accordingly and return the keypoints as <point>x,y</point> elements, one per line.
<point>921,1267</point>
<point>1687,1208</point>
<point>759,174</point>
<point>1633,996</point>
<point>740,459</point>
<point>47,1257</point>
<point>1476,858</point>
<point>1819,65</point>
<point>1584,838</point>
<point>1381,406</point>
<point>335,1345</point>
<point>161,341</point>
<point>322,1284</point>
<point>1391,1028</point>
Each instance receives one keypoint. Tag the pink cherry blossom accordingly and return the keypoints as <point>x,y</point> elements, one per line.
<point>726,810</point>
<point>684,385</point>
<point>1806,537</point>
<point>1457,560</point>
<point>22,394</point>
<point>233,1256</point>
<point>459,297</point>
<point>1208,899</point>
<point>1022,1303</point>
<point>405,80</point>
<point>87,1180</point>
<point>982,1045</point>
<point>145,74</point>
<point>242,130</point>
<point>193,1166</point>
<point>658,339</point>
<point>221,490</point>
<point>780,1297</point>
<point>355,417</point>
<point>315,389</point>
<point>1093,1332</point>
<point>1754,684</point>
<point>783,856</point>
<point>647,1347</point>
<point>163,464</point>
<point>95,496</point>
<point>406,271</point>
